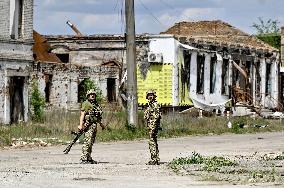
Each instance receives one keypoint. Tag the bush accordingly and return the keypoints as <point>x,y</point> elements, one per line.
<point>38,102</point>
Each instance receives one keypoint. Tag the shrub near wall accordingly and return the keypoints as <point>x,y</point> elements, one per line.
<point>271,39</point>
<point>38,102</point>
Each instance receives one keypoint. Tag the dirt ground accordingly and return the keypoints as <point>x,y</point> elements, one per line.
<point>122,164</point>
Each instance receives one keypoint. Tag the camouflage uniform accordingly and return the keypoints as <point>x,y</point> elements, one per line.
<point>152,115</point>
<point>93,117</point>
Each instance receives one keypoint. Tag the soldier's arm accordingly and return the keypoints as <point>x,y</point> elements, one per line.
<point>82,117</point>
<point>146,114</point>
<point>157,111</point>
<point>99,115</point>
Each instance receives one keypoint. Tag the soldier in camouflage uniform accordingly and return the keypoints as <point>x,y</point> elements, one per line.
<point>152,115</point>
<point>90,118</point>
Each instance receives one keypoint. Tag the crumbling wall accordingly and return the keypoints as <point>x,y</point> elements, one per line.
<point>65,80</point>
<point>11,69</point>
<point>95,58</point>
<point>2,93</point>
<point>142,50</point>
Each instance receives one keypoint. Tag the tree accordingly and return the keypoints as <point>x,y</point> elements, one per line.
<point>266,27</point>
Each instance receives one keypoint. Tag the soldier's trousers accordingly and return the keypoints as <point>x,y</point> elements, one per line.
<point>153,144</point>
<point>90,136</point>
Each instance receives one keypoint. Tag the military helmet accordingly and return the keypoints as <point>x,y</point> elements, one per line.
<point>150,91</point>
<point>90,91</point>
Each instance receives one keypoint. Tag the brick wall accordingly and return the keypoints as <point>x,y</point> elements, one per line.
<point>27,20</point>
<point>4,19</point>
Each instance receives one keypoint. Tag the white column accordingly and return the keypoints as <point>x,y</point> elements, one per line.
<point>193,73</point>
<point>206,80</point>
<point>263,80</point>
<point>7,117</point>
<point>218,84</point>
<point>175,78</point>
<point>26,98</point>
<point>274,83</point>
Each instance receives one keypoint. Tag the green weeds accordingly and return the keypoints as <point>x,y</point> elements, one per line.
<point>59,124</point>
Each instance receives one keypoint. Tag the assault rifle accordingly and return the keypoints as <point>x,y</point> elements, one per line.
<point>77,136</point>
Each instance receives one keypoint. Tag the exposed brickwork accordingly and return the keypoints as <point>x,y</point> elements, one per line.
<point>4,19</point>
<point>27,19</point>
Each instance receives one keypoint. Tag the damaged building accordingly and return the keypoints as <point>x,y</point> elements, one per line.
<point>16,57</point>
<point>104,55</point>
<point>62,69</point>
<point>210,64</point>
<point>206,64</point>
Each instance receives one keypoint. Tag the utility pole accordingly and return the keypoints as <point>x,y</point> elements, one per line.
<point>132,115</point>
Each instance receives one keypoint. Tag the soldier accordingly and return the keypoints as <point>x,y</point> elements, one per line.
<point>152,115</point>
<point>91,116</point>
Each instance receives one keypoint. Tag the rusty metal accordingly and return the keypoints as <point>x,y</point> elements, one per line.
<point>74,28</point>
<point>42,49</point>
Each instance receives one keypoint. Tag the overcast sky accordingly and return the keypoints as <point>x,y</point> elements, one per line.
<point>152,16</point>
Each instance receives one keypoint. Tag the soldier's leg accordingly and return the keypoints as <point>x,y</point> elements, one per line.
<point>153,146</point>
<point>157,147</point>
<point>89,140</point>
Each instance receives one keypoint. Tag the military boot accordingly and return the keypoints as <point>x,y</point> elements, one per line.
<point>91,161</point>
<point>153,163</point>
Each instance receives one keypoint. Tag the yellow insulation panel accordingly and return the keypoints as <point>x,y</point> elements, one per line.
<point>159,78</point>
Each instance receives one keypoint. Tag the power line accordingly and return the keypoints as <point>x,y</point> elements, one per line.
<point>168,5</point>
<point>173,8</point>
<point>150,12</point>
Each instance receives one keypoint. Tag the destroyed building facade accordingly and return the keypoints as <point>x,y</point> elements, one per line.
<point>214,62</point>
<point>205,64</point>
<point>16,57</point>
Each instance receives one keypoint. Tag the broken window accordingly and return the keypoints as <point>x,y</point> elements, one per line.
<point>213,64</point>
<point>248,88</point>
<point>225,77</point>
<point>47,89</point>
<point>257,79</point>
<point>268,79</point>
<point>63,57</point>
<point>111,91</point>
<point>185,73</point>
<point>81,91</point>
<point>200,74</point>
<point>16,11</point>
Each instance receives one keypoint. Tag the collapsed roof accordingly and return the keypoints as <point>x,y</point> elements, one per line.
<point>217,33</point>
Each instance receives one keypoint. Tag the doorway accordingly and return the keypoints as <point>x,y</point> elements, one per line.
<point>111,94</point>
<point>17,99</point>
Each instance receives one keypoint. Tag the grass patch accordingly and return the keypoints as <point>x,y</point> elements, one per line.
<point>240,170</point>
<point>59,124</point>
<point>209,164</point>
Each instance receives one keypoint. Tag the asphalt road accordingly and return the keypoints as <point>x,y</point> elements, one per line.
<point>122,164</point>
